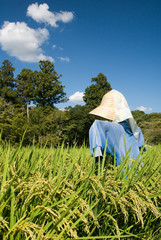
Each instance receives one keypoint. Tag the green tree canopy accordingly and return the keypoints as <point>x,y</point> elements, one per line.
<point>7,82</point>
<point>48,88</point>
<point>25,85</point>
<point>94,93</point>
<point>78,124</point>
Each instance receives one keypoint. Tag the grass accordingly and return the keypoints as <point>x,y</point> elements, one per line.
<point>59,193</point>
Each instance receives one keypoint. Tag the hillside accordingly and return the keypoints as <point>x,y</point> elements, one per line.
<point>150,125</point>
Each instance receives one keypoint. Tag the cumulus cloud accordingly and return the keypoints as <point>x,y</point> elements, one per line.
<point>64,59</point>
<point>144,109</point>
<point>40,13</point>
<point>77,97</point>
<point>23,42</point>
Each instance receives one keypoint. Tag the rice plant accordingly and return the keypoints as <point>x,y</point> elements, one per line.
<point>59,193</point>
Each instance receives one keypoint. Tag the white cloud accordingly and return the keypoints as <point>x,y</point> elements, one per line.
<point>65,59</point>
<point>23,42</point>
<point>77,97</point>
<point>55,46</point>
<point>40,13</point>
<point>144,109</point>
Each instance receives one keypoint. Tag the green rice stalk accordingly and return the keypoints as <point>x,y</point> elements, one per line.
<point>122,165</point>
<point>130,174</point>
<point>104,157</point>
<point>157,169</point>
<point>6,160</point>
<point>108,237</point>
<point>12,211</point>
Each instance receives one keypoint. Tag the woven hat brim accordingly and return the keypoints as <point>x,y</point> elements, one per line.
<point>101,111</point>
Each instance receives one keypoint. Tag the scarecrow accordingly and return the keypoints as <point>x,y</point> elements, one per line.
<point>117,131</point>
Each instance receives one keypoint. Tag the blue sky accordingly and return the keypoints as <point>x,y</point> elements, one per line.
<point>119,38</point>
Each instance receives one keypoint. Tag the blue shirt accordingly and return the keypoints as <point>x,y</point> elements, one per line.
<point>119,139</point>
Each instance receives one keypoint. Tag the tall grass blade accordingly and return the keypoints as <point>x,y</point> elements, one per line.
<point>12,218</point>
<point>6,160</point>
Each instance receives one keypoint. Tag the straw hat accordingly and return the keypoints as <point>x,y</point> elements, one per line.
<point>114,107</point>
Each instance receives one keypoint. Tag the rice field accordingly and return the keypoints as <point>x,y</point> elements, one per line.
<point>59,193</point>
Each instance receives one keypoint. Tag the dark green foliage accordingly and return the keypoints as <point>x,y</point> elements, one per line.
<point>150,125</point>
<point>12,122</point>
<point>7,82</point>
<point>45,125</point>
<point>26,86</point>
<point>94,93</point>
<point>48,88</point>
<point>78,124</point>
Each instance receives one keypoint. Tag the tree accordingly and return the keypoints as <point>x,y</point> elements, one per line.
<point>12,122</point>
<point>94,93</point>
<point>26,87</point>
<point>47,125</point>
<point>150,125</point>
<point>48,88</point>
<point>7,82</point>
<point>78,124</point>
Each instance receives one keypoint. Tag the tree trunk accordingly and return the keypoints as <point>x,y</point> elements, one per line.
<point>27,111</point>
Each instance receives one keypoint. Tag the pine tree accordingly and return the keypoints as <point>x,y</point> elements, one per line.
<point>26,87</point>
<point>94,93</point>
<point>48,88</point>
<point>7,82</point>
